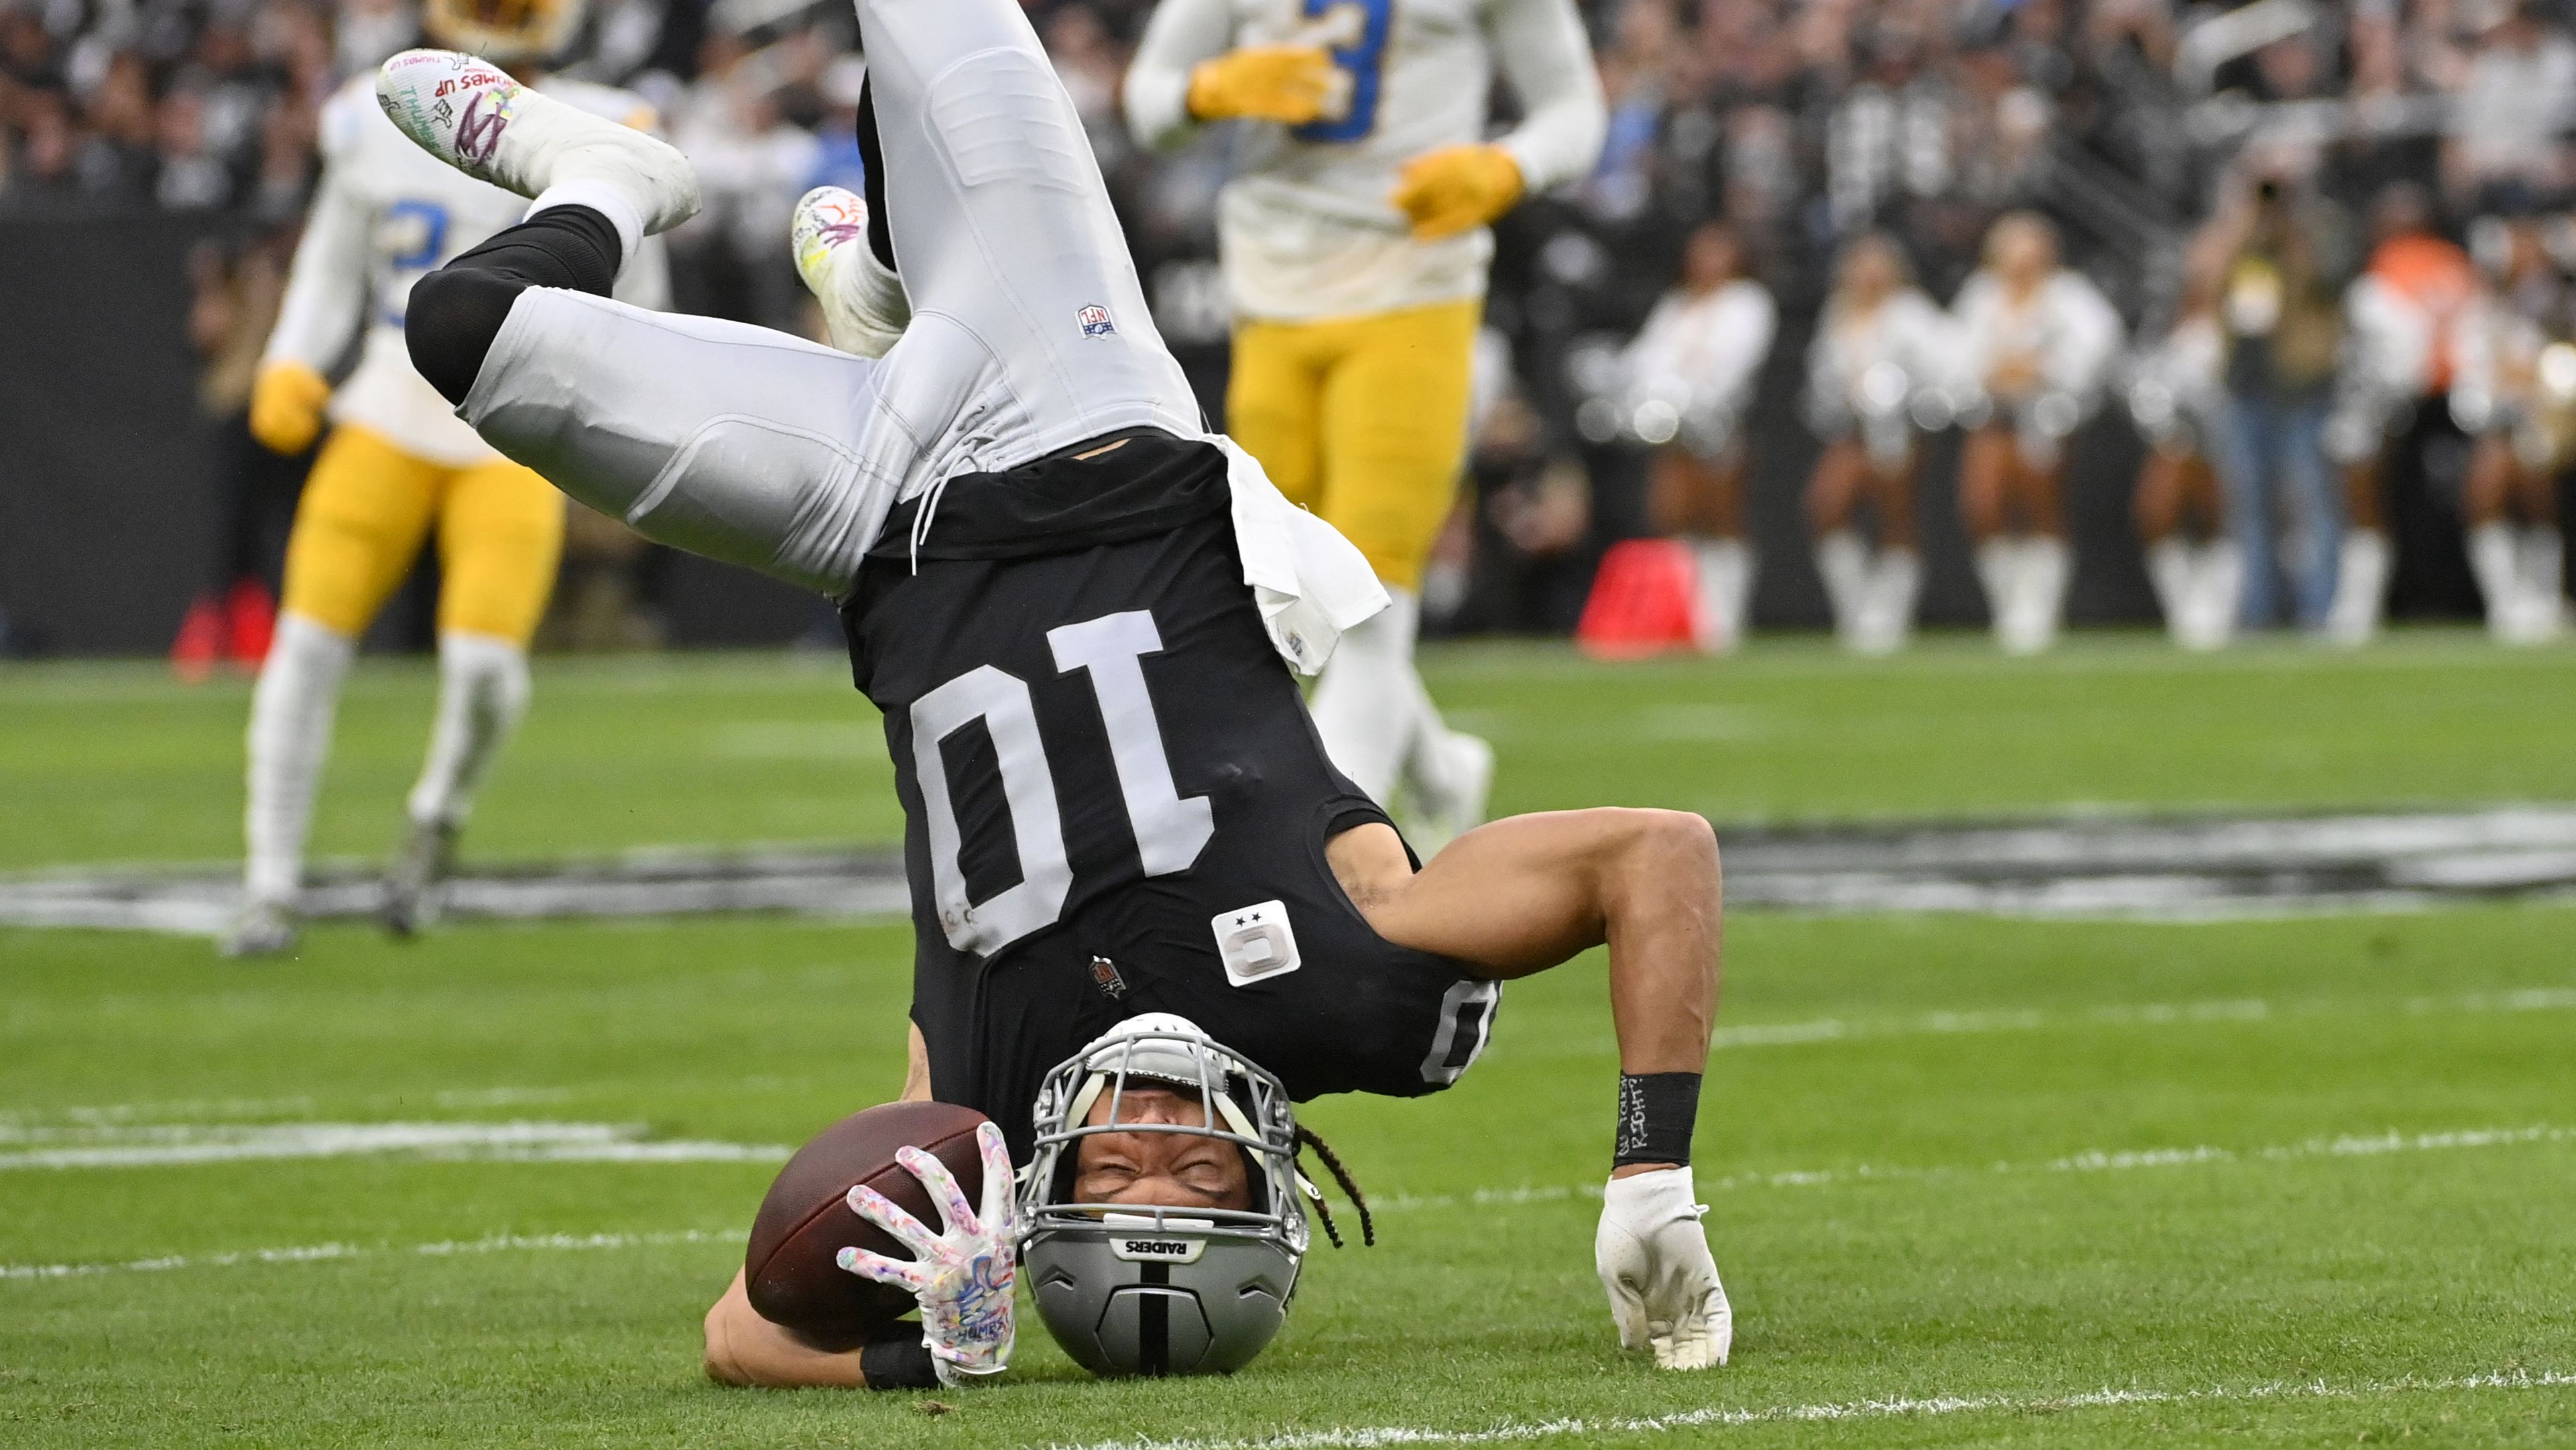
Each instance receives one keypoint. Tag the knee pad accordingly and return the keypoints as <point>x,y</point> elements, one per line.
<point>454,315</point>
<point>456,311</point>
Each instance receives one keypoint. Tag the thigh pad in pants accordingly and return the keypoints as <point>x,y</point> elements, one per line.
<point>727,440</point>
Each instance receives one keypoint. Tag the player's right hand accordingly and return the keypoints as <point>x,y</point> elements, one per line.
<point>963,1278</point>
<point>1293,84</point>
<point>1653,1259</point>
<point>286,406</point>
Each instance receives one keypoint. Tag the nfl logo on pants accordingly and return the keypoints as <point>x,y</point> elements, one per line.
<point>1095,321</point>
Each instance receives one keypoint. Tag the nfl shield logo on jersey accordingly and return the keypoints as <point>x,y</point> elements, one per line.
<point>1095,321</point>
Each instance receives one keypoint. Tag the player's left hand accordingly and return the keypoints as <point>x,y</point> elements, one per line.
<point>1457,188</point>
<point>286,402</point>
<point>962,1278</point>
<point>1653,1259</point>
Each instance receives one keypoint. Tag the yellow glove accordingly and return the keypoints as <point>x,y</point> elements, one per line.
<point>286,406</point>
<point>1290,83</point>
<point>1456,189</point>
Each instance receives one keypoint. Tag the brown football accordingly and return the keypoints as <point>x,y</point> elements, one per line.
<point>806,1220</point>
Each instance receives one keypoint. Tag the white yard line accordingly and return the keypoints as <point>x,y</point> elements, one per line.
<point>2141,1014</point>
<point>171,1144</point>
<point>2348,1145</point>
<point>321,1253</point>
<point>16,1123</point>
<point>218,1108</point>
<point>1370,1437</point>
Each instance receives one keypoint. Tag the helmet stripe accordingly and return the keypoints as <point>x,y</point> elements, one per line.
<point>1154,1323</point>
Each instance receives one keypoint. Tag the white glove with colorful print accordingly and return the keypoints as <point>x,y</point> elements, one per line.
<point>962,1278</point>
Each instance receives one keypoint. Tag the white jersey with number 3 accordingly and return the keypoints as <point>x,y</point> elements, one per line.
<point>1306,227</point>
<point>386,215</point>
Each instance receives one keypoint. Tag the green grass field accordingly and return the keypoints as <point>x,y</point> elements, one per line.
<point>1972,1181</point>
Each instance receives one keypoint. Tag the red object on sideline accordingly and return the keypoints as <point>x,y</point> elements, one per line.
<point>250,623</point>
<point>200,642</point>
<point>1644,601</point>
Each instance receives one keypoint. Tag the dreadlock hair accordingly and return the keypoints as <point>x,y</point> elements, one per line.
<point>1307,1138</point>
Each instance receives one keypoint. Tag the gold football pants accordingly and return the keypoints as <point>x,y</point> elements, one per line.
<point>1363,420</point>
<point>367,508</point>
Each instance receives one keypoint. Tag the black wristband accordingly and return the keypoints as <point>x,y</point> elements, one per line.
<point>896,1359</point>
<point>1656,1113</point>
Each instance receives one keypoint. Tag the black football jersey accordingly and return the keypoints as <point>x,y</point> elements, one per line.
<point>1102,764</point>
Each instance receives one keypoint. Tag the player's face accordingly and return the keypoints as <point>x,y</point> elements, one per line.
<point>1167,1170</point>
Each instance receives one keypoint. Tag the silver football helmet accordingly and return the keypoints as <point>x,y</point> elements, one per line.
<point>1131,1289</point>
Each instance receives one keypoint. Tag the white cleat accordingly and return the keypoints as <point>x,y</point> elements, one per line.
<point>264,929</point>
<point>1652,1256</point>
<point>420,866</point>
<point>471,115</point>
<point>863,304</point>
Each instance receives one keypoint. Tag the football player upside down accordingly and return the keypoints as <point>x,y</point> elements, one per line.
<point>1082,617</point>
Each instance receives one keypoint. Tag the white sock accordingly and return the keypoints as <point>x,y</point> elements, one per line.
<point>1887,617</point>
<point>482,692</point>
<point>1999,569</point>
<point>1725,591</point>
<point>603,196</point>
<point>2542,552</point>
<point>2498,566</point>
<point>1370,706</point>
<point>2045,566</point>
<point>1843,560</point>
<point>2171,572</point>
<point>290,740</point>
<point>2217,594</point>
<point>2361,587</point>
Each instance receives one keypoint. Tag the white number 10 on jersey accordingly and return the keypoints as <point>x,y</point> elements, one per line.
<point>1170,829</point>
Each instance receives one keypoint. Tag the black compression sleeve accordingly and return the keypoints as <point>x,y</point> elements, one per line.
<point>1657,1111</point>
<point>456,311</point>
<point>896,1359</point>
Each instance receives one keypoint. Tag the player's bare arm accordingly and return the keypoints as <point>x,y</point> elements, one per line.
<point>746,1350</point>
<point>1530,892</point>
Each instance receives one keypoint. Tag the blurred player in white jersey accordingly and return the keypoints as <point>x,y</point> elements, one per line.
<point>1692,371</point>
<point>1354,245</point>
<point>398,463</point>
<point>2038,339</point>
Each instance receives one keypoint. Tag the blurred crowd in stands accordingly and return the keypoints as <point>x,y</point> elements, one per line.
<point>2185,157</point>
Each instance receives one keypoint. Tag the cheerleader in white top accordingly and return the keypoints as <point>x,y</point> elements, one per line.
<point>2038,341</point>
<point>2514,390</point>
<point>2400,322</point>
<point>1691,374</point>
<point>1880,374</point>
<point>2177,398</point>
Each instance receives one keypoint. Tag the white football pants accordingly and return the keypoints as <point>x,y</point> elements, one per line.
<point>1029,333</point>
